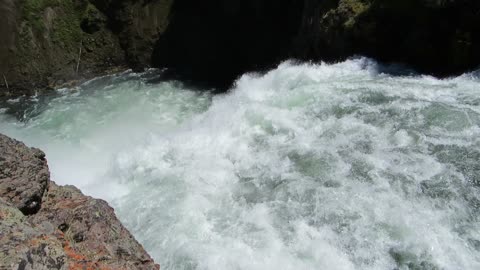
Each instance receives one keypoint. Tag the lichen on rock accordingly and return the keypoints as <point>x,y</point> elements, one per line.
<point>24,175</point>
<point>66,229</point>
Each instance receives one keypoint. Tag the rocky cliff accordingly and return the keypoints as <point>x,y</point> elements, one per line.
<point>46,43</point>
<point>45,226</point>
<point>138,25</point>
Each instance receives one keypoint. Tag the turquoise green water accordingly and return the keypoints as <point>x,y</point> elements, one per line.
<point>306,167</point>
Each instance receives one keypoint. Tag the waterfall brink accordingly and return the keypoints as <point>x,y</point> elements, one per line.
<point>345,166</point>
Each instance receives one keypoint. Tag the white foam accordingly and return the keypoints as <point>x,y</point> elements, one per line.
<point>306,167</point>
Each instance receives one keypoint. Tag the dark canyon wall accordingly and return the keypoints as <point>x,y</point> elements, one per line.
<point>138,25</point>
<point>212,42</point>
<point>439,37</point>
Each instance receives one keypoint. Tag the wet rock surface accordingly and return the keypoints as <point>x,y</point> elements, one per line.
<point>68,230</point>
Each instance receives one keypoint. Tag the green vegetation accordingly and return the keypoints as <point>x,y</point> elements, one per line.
<point>62,22</point>
<point>33,11</point>
<point>50,35</point>
<point>356,7</point>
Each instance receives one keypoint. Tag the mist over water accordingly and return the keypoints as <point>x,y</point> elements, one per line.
<point>338,166</point>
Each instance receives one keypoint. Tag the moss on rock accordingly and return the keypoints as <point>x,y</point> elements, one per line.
<point>354,8</point>
<point>49,38</point>
<point>54,41</point>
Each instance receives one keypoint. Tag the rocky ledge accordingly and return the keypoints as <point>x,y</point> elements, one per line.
<point>46,226</point>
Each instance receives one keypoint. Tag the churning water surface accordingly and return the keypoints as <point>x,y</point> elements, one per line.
<point>306,167</point>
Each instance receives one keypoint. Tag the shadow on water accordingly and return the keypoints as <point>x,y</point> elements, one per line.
<point>23,108</point>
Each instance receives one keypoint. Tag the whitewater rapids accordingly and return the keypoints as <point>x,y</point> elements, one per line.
<point>343,166</point>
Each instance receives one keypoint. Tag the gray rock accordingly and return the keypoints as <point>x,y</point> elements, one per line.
<point>23,175</point>
<point>63,229</point>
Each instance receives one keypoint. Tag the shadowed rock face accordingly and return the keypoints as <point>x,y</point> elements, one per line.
<point>138,24</point>
<point>65,229</point>
<point>439,37</point>
<point>8,22</point>
<point>213,42</point>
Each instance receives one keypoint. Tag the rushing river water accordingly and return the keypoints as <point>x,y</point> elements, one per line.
<point>306,167</point>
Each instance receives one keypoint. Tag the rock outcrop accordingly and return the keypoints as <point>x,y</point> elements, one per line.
<point>65,229</point>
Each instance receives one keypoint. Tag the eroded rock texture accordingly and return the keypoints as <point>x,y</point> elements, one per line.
<point>24,175</point>
<point>65,229</point>
<point>46,43</point>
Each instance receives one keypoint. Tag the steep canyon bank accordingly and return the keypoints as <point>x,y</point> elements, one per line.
<point>47,42</point>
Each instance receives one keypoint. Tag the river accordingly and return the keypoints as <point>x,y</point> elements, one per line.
<point>351,165</point>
